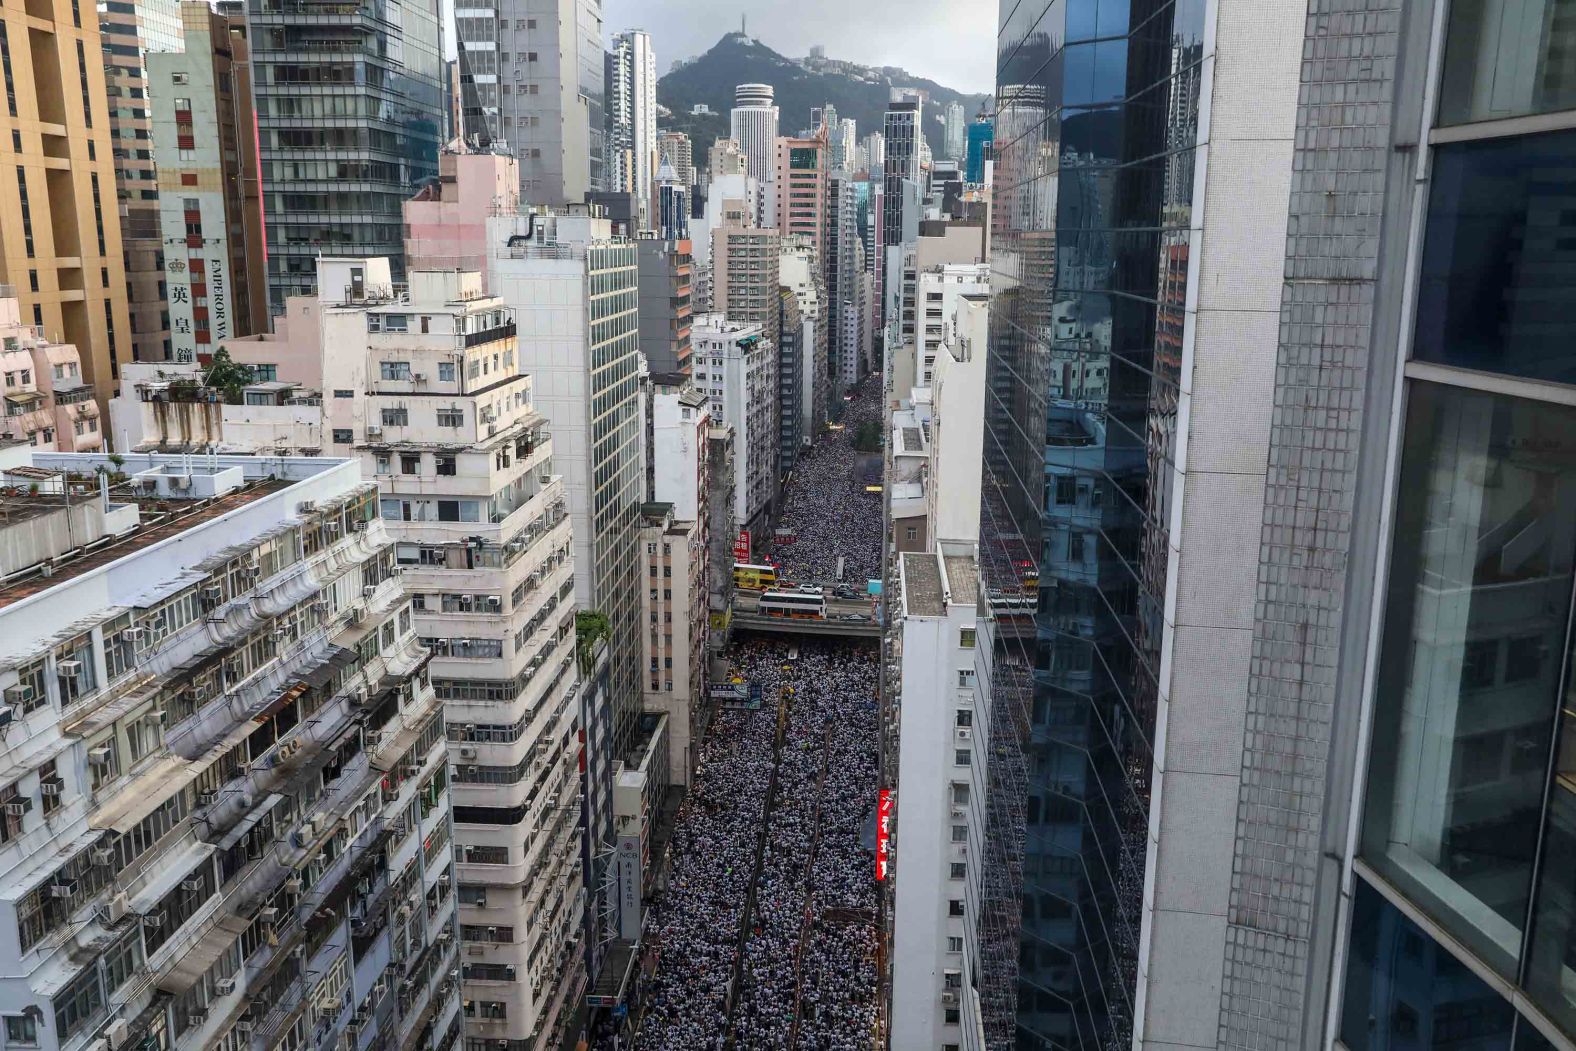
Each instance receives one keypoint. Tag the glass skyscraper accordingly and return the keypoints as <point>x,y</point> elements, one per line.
<point>350,115</point>
<point>1091,211</point>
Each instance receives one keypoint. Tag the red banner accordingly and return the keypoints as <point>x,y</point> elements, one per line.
<point>883,831</point>
<point>741,546</point>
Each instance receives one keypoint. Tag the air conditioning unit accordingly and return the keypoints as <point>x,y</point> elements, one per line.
<point>494,603</point>
<point>267,914</point>
<point>103,856</point>
<point>205,798</point>
<point>467,752</point>
<point>949,998</point>
<point>114,910</point>
<point>293,885</point>
<point>243,1027</point>
<point>418,377</point>
<point>180,482</point>
<point>68,668</point>
<point>7,713</point>
<point>354,615</point>
<point>153,919</point>
<point>117,1032</point>
<point>224,986</point>
<point>191,886</point>
<point>374,431</point>
<point>99,756</point>
<point>197,1018</point>
<point>17,808</point>
<point>49,788</point>
<point>410,769</point>
<point>965,733</point>
<point>306,507</point>
<point>211,596</point>
<point>475,950</point>
<point>133,634</point>
<point>19,694</point>
<point>369,590</point>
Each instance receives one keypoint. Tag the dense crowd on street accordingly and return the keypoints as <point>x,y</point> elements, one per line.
<point>827,511</point>
<point>773,882</point>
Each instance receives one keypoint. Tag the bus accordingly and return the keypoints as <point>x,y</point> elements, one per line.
<point>795,605</point>
<point>749,577</point>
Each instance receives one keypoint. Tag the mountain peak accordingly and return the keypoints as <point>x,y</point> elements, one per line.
<point>858,91</point>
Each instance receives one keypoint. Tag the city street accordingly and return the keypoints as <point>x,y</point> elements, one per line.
<point>767,935</point>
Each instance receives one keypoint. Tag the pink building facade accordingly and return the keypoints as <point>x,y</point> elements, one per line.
<point>446,224</point>
<point>47,401</point>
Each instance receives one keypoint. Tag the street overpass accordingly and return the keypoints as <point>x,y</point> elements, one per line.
<point>847,618</point>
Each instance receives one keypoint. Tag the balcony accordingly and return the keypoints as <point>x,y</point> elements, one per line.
<point>491,335</point>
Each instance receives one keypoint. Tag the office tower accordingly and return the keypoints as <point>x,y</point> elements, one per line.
<point>211,215</point>
<point>902,137</point>
<point>736,368</point>
<point>574,290</point>
<point>847,196</point>
<point>673,611</point>
<point>674,147</point>
<point>799,188</point>
<point>799,270</point>
<point>227,819</point>
<point>665,279</point>
<point>481,526</point>
<point>349,113</point>
<point>875,154</point>
<point>953,137</point>
<point>981,133</point>
<point>792,364</point>
<point>1323,592</point>
<point>937,291</point>
<point>446,221</point>
<point>724,157</point>
<point>48,402</point>
<point>130,32</point>
<point>754,118</point>
<point>671,197</point>
<point>58,220</point>
<point>632,117</point>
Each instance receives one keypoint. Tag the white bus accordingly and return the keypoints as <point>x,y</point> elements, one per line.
<point>796,605</point>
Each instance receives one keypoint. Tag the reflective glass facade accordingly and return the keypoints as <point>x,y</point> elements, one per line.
<point>1469,810</point>
<point>350,114</point>
<point>1097,109</point>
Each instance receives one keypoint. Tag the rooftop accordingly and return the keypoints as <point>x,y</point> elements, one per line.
<point>963,580</point>
<point>922,594</point>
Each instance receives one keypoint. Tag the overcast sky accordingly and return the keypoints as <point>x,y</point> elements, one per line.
<point>949,41</point>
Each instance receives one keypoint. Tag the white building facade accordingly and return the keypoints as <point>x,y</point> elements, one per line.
<point>735,370</point>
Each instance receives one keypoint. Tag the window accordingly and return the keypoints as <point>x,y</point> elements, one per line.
<point>954,943</point>
<point>396,417</point>
<point>960,757</point>
<point>446,371</point>
<point>958,870</point>
<point>966,638</point>
<point>955,907</point>
<point>1066,489</point>
<point>966,678</point>
<point>1482,550</point>
<point>1507,58</point>
<point>1495,225</point>
<point>341,393</point>
<point>394,370</point>
<point>963,717</point>
<point>451,418</point>
<point>960,794</point>
<point>912,533</point>
<point>21,1031</point>
<point>79,1003</point>
<point>445,464</point>
<point>950,1016</point>
<point>410,463</point>
<point>960,833</point>
<point>342,437</point>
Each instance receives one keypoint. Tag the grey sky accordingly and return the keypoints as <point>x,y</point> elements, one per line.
<point>949,41</point>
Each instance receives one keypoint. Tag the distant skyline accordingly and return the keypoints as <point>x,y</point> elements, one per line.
<point>946,41</point>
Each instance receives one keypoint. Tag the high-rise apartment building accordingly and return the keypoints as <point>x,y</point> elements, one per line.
<point>665,280</point>
<point>632,119</point>
<point>350,111</point>
<point>792,364</point>
<point>210,209</point>
<point>725,157</point>
<point>130,33</point>
<point>799,271</point>
<point>736,368</point>
<point>574,290</point>
<point>874,160</point>
<point>674,147</point>
<point>745,275</point>
<point>445,422</point>
<point>59,224</point>
<point>1278,638</point>
<point>446,222</point>
<point>754,123</point>
<point>227,814</point>
<point>674,619</point>
<point>532,81</point>
<point>48,401</point>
